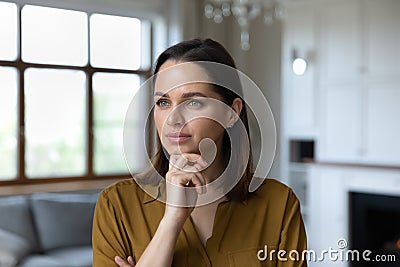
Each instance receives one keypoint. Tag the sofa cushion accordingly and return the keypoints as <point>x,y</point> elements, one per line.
<point>13,248</point>
<point>63,220</point>
<point>16,218</point>
<point>74,257</point>
<point>68,257</point>
<point>37,260</point>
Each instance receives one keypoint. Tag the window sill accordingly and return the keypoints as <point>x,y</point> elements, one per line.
<point>56,186</point>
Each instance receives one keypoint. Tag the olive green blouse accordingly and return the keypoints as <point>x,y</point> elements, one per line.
<point>126,219</point>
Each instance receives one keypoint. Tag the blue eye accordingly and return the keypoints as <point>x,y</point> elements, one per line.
<point>162,103</point>
<point>195,103</point>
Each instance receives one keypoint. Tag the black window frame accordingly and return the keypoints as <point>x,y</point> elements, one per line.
<point>89,71</point>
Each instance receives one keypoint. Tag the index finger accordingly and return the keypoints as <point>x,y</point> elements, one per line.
<point>194,158</point>
<point>121,262</point>
<point>177,161</point>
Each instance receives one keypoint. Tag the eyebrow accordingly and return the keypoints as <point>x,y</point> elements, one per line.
<point>185,95</point>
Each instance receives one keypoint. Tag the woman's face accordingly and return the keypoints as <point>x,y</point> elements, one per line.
<point>188,113</point>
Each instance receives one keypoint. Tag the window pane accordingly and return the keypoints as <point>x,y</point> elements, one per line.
<point>112,96</point>
<point>54,36</point>
<point>115,42</point>
<point>8,31</point>
<point>55,122</point>
<point>8,123</point>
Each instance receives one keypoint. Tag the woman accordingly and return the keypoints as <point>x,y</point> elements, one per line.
<point>200,224</point>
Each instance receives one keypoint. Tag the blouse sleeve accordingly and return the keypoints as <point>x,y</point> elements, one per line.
<point>293,235</point>
<point>107,238</point>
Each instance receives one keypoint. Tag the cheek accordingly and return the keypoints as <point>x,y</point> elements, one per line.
<point>207,128</point>
<point>159,120</point>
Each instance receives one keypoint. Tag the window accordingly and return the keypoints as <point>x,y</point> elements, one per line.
<point>66,80</point>
<point>111,96</point>
<point>8,121</point>
<point>54,36</point>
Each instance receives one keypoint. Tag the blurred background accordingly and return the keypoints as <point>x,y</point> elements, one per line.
<point>328,68</point>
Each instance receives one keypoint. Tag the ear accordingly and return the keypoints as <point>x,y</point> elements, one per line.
<point>237,106</point>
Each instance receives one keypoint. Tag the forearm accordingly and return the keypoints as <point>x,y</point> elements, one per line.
<point>160,250</point>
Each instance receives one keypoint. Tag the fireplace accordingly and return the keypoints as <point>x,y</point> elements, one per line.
<point>375,226</point>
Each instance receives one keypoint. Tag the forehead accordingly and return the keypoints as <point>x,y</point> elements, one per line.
<point>184,76</point>
<point>190,91</point>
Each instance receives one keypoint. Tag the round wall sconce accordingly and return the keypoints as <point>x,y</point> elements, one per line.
<point>299,66</point>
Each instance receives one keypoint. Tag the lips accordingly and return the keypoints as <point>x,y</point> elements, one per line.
<point>177,137</point>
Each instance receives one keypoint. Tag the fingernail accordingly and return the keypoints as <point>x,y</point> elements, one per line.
<point>118,259</point>
<point>198,166</point>
<point>204,163</point>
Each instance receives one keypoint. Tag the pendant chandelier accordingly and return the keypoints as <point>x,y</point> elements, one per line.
<point>244,11</point>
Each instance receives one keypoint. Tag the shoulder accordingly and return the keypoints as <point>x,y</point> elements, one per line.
<point>128,192</point>
<point>274,192</point>
<point>120,187</point>
<point>271,188</point>
<point>121,192</point>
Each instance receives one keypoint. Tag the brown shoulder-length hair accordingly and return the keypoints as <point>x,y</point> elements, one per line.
<point>211,51</point>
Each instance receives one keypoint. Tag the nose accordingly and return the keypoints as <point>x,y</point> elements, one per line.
<point>176,118</point>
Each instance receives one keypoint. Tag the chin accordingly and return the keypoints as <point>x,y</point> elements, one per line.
<point>179,150</point>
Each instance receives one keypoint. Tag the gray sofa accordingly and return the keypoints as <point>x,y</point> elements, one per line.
<point>47,229</point>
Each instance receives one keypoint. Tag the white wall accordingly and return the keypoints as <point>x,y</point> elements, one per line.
<point>351,88</point>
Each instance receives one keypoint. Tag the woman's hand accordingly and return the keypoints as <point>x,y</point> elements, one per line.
<point>124,263</point>
<point>184,183</point>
